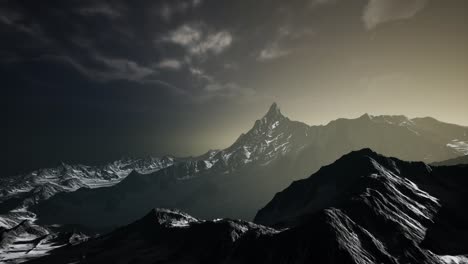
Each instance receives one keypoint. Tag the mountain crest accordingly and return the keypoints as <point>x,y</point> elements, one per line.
<point>168,218</point>
<point>273,114</point>
<point>270,120</point>
<point>366,116</point>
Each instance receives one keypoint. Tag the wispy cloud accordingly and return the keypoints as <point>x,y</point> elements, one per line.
<point>120,68</point>
<point>227,90</point>
<point>315,3</point>
<point>9,17</point>
<point>380,11</point>
<point>231,66</point>
<point>201,75</point>
<point>171,64</point>
<point>283,42</point>
<point>271,52</point>
<point>212,88</point>
<point>168,10</point>
<point>16,21</point>
<point>215,43</point>
<point>99,9</point>
<point>185,35</point>
<point>111,68</point>
<point>117,69</point>
<point>198,41</point>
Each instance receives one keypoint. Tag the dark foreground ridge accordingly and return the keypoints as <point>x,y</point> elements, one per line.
<point>364,208</point>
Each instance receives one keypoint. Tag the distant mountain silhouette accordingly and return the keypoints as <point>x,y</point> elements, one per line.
<point>455,161</point>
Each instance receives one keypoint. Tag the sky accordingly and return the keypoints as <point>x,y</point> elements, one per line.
<point>93,81</point>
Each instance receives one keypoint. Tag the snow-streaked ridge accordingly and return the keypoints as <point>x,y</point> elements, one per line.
<point>39,185</point>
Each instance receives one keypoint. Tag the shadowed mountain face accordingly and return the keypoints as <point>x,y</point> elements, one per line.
<point>225,183</point>
<point>396,203</point>
<point>363,208</point>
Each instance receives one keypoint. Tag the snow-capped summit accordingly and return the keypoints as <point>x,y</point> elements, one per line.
<point>269,121</point>
<point>271,137</point>
<point>273,114</point>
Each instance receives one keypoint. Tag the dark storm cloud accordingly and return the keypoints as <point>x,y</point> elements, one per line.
<point>145,41</point>
<point>81,40</point>
<point>141,43</point>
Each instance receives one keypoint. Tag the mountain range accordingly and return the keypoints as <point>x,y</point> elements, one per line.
<point>220,183</point>
<point>363,208</point>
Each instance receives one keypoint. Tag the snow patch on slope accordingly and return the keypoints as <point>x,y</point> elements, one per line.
<point>459,146</point>
<point>454,259</point>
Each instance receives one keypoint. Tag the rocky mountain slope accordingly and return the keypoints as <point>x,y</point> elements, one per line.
<point>363,208</point>
<point>406,211</point>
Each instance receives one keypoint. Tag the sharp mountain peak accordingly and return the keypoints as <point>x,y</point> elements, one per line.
<point>274,112</point>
